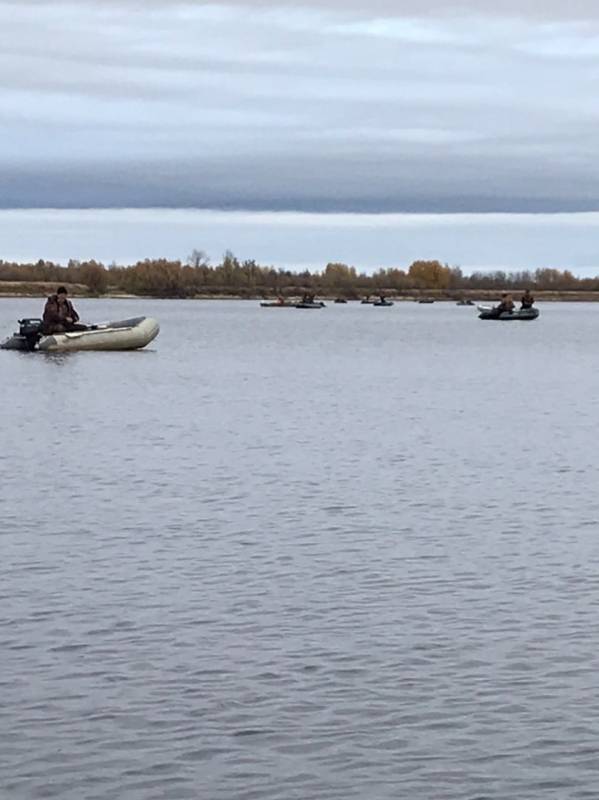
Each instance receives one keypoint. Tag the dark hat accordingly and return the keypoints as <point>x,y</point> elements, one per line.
<point>61,290</point>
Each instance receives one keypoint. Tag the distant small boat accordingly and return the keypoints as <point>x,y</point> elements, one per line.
<point>426,301</point>
<point>315,304</point>
<point>340,300</point>
<point>522,314</point>
<point>383,303</point>
<point>465,303</point>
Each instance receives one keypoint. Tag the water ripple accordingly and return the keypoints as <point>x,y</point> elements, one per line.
<point>324,558</point>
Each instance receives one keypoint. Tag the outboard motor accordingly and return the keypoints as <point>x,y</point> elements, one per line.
<point>31,331</point>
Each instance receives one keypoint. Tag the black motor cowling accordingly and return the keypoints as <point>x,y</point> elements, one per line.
<point>31,330</point>
<point>28,326</point>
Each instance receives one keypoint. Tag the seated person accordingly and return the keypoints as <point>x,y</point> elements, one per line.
<point>527,299</point>
<point>59,314</point>
<point>506,304</point>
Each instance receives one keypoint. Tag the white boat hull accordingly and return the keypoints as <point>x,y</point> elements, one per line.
<point>131,337</point>
<point>129,334</point>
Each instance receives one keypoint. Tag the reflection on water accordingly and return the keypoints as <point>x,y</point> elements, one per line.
<point>342,555</point>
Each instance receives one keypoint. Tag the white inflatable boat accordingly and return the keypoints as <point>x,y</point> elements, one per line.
<point>128,334</point>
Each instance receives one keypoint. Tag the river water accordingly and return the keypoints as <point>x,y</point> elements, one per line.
<point>281,554</point>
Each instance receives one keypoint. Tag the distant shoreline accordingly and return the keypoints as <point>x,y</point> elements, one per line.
<point>247,280</point>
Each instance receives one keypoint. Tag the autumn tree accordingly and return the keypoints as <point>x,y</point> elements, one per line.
<point>429,275</point>
<point>339,275</point>
<point>197,259</point>
<point>94,276</point>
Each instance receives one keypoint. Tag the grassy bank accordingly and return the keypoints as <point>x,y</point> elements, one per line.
<point>39,289</point>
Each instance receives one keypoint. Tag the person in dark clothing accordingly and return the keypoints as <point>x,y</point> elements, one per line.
<point>506,305</point>
<point>527,299</point>
<point>60,315</point>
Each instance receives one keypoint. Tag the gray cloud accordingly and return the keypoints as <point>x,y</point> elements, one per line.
<point>540,9</point>
<point>378,183</point>
<point>298,105</point>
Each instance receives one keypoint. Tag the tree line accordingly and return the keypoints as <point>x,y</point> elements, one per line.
<point>197,277</point>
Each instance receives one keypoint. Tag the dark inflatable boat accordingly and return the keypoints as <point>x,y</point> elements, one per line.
<point>522,314</point>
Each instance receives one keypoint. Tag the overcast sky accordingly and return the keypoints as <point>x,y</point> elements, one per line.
<point>329,106</point>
